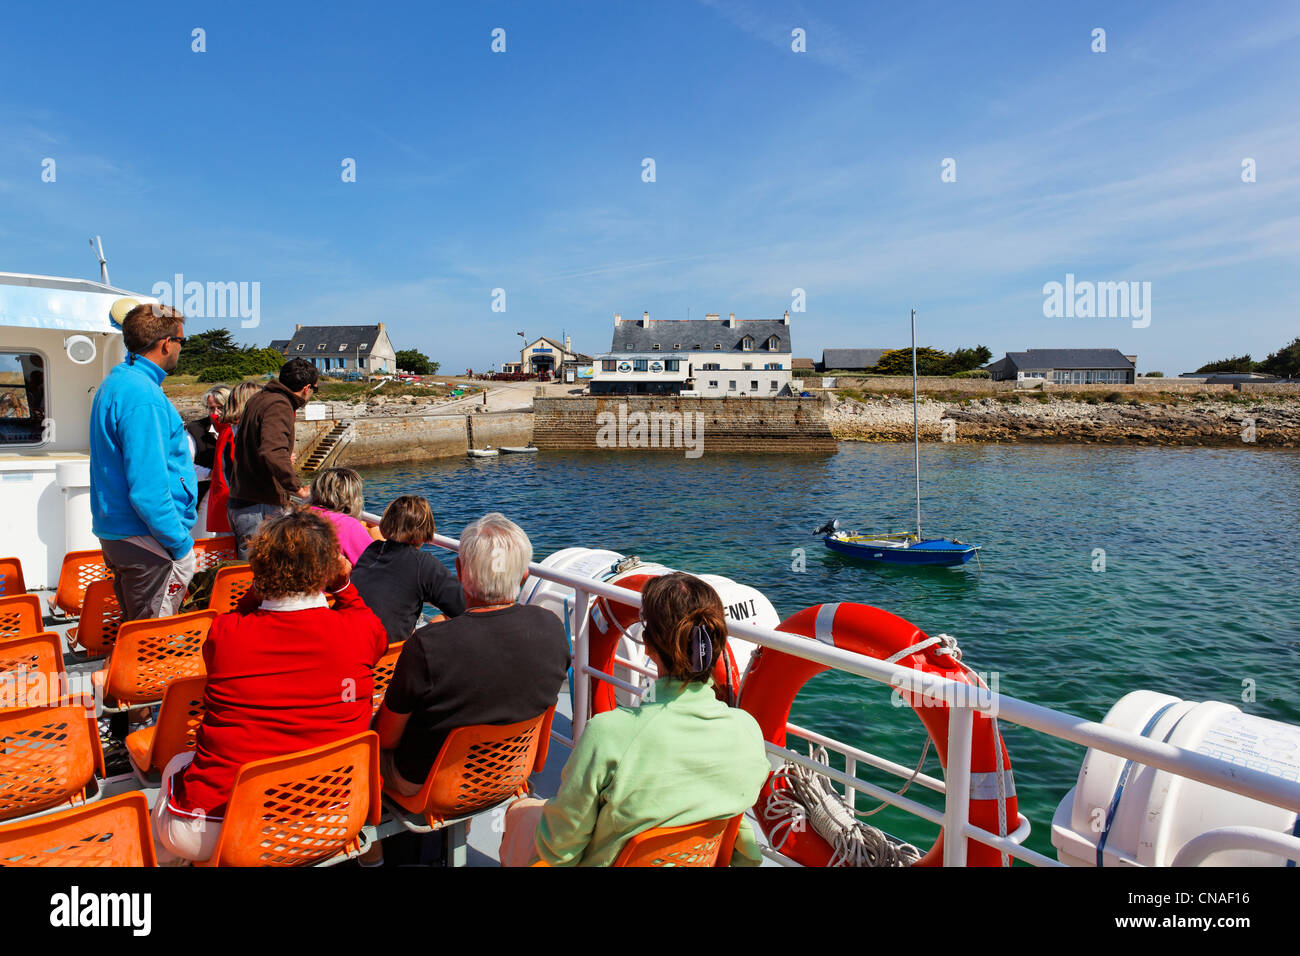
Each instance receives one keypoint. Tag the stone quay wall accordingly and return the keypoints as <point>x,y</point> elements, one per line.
<point>388,440</point>
<point>690,426</point>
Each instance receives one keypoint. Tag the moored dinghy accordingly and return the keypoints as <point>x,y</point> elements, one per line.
<point>518,450</point>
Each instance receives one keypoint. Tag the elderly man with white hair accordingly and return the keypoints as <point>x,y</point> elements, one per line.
<point>498,663</point>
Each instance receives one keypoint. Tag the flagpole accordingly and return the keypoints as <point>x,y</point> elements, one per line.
<point>916,434</point>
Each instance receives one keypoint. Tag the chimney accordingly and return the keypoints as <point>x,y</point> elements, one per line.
<point>786,320</point>
<point>618,317</point>
<point>645,320</point>
<point>568,343</point>
<point>298,327</point>
<point>711,316</point>
<point>381,326</point>
<point>731,320</point>
<point>1133,359</point>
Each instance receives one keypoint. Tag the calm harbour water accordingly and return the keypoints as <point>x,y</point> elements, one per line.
<point>1198,595</point>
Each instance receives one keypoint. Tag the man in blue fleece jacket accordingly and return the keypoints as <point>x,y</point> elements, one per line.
<point>142,487</point>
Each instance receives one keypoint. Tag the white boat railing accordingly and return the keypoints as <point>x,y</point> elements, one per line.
<point>963,705</point>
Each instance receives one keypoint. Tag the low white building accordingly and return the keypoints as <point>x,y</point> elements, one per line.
<point>710,357</point>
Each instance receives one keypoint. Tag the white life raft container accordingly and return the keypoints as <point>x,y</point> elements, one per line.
<point>1123,813</point>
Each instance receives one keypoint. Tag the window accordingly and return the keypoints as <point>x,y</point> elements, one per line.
<point>298,347</point>
<point>695,346</point>
<point>773,344</point>
<point>747,343</point>
<point>753,385</point>
<point>677,346</point>
<point>713,383</point>
<point>343,347</point>
<point>775,385</point>
<point>655,346</point>
<point>712,366</point>
<point>731,386</point>
<point>748,366</point>
<point>23,399</point>
<point>673,365</point>
<point>321,347</point>
<point>363,346</point>
<point>608,365</point>
<point>717,346</point>
<point>772,366</point>
<point>639,365</point>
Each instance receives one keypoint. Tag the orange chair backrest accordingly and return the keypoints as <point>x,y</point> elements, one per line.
<point>707,843</point>
<point>152,653</point>
<point>303,807</point>
<point>31,670</point>
<point>111,832</point>
<point>383,673</point>
<point>229,586</point>
<point>477,768</point>
<point>48,755</point>
<point>11,577</point>
<point>179,719</point>
<point>78,570</point>
<point>101,616</point>
<point>20,616</point>
<point>209,552</point>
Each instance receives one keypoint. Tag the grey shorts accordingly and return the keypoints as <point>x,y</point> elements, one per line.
<point>147,582</point>
<point>245,518</point>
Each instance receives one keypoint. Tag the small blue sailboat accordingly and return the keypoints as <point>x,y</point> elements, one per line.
<point>902,547</point>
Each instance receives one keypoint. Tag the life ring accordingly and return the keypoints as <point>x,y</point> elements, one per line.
<point>610,620</point>
<point>774,678</point>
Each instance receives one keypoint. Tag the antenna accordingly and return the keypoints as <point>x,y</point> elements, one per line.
<point>98,245</point>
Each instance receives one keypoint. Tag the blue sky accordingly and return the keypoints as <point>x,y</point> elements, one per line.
<point>775,170</point>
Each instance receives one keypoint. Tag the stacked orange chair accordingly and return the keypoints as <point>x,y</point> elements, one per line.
<point>150,654</point>
<point>229,586</point>
<point>101,616</point>
<point>20,616</point>
<point>11,577</point>
<point>174,731</point>
<point>79,569</point>
<point>303,808</point>
<point>31,670</point>
<point>50,755</point>
<point>209,552</point>
<point>112,832</point>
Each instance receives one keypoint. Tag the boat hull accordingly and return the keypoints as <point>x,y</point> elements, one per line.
<point>938,552</point>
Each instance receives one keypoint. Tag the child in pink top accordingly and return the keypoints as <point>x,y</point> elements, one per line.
<point>336,497</point>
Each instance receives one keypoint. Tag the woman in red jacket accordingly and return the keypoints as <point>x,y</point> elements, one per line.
<point>285,673</point>
<point>224,456</point>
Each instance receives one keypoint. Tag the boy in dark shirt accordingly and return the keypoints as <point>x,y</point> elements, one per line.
<point>396,579</point>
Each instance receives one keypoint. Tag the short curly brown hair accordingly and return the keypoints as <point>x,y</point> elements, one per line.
<point>293,553</point>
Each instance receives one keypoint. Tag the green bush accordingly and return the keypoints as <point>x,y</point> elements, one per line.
<point>1114,397</point>
<point>973,373</point>
<point>1092,400</point>
<point>230,374</point>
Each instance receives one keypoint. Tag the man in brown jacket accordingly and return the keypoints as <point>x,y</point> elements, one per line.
<point>264,476</point>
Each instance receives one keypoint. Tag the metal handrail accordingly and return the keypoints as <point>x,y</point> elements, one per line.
<point>963,704</point>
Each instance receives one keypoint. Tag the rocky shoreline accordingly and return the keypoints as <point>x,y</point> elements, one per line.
<point>1271,422</point>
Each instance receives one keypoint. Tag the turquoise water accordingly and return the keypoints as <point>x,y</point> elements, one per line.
<point>1198,594</point>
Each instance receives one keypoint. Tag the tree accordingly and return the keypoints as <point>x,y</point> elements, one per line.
<point>1284,363</point>
<point>416,362</point>
<point>963,360</point>
<point>1239,363</point>
<point>899,362</point>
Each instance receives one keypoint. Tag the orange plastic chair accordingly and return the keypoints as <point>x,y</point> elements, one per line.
<point>21,661</point>
<point>101,616</point>
<point>209,552</point>
<point>477,768</point>
<point>79,569</point>
<point>20,616</point>
<point>150,654</point>
<point>383,673</point>
<point>48,756</point>
<point>708,843</point>
<point>229,586</point>
<point>112,832</point>
<point>11,577</point>
<point>175,729</point>
<point>302,808</point>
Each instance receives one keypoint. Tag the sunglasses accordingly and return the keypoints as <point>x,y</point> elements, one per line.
<point>314,388</point>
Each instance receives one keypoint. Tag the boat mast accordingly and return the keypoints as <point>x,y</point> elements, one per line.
<point>916,435</point>
<point>98,246</point>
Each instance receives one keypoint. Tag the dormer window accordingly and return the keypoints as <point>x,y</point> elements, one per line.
<point>717,346</point>
<point>747,343</point>
<point>343,347</point>
<point>298,347</point>
<point>321,347</point>
<point>677,346</point>
<point>363,345</point>
<point>773,344</point>
<point>655,346</point>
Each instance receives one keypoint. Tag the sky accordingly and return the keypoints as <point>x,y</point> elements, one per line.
<point>949,157</point>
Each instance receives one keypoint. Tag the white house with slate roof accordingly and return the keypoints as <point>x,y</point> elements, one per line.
<point>337,349</point>
<point>1066,367</point>
<point>711,357</point>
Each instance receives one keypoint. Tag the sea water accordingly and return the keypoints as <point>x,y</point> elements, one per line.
<point>1103,570</point>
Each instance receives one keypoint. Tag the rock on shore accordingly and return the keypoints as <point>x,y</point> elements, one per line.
<point>1270,422</point>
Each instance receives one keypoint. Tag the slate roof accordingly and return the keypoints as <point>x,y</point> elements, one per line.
<point>310,338</point>
<point>279,344</point>
<point>1068,358</point>
<point>667,333</point>
<point>851,358</point>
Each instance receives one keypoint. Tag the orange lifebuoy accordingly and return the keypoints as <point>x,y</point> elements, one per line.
<point>774,678</point>
<point>609,620</point>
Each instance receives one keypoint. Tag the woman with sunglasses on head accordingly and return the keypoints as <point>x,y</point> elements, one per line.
<point>682,757</point>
